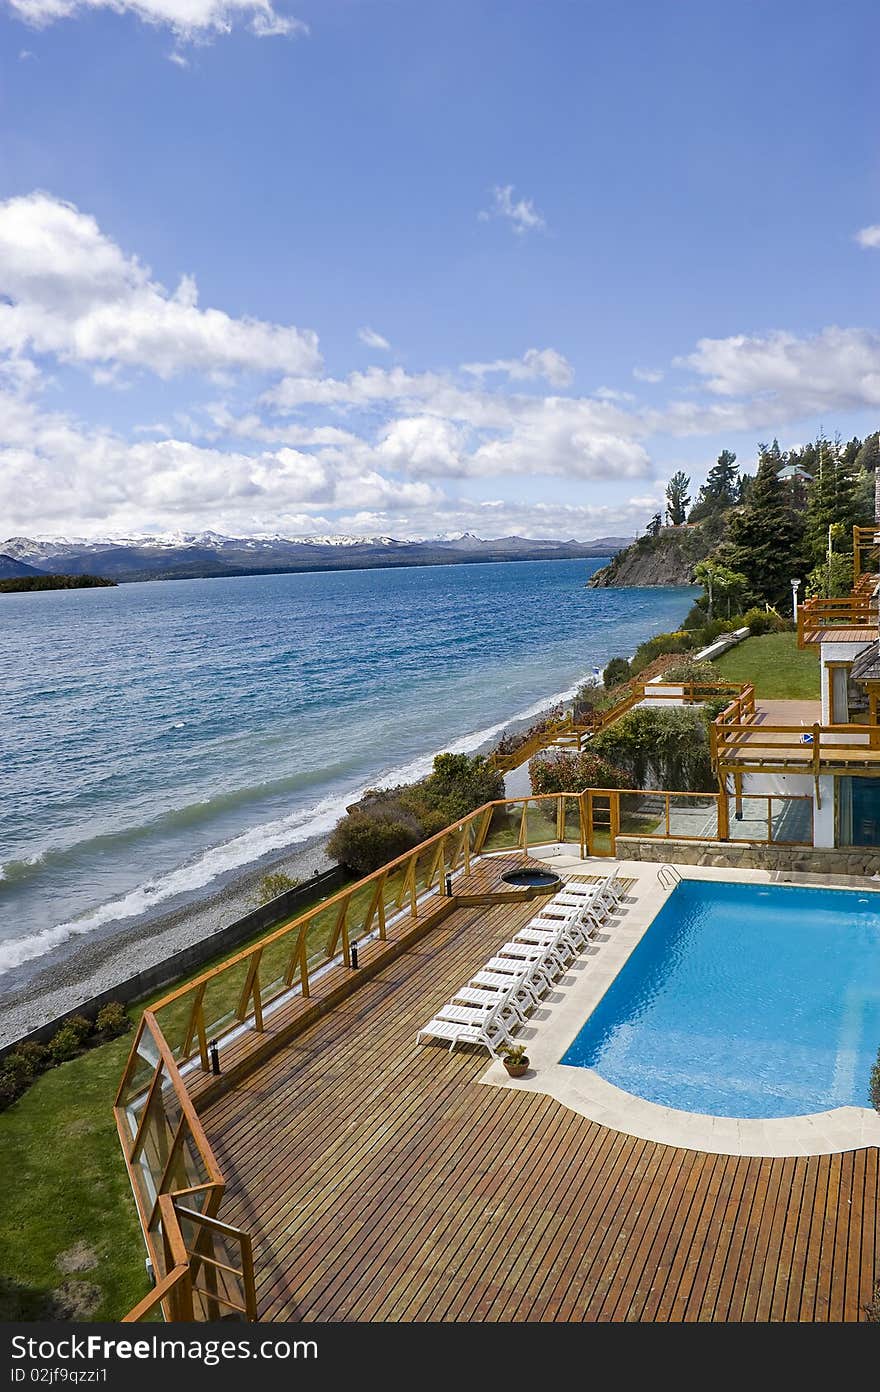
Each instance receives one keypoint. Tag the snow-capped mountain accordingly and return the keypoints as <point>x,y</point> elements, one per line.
<point>187,555</point>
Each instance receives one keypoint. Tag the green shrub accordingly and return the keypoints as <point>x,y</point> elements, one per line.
<point>36,1054</point>
<point>272,886</point>
<point>711,631</point>
<point>385,824</point>
<point>67,1041</point>
<point>363,842</point>
<point>20,1064</point>
<point>669,746</point>
<point>11,1086</point>
<point>616,671</point>
<point>712,709</point>
<point>679,642</point>
<point>760,621</point>
<point>589,699</point>
<point>112,1020</point>
<point>690,670</point>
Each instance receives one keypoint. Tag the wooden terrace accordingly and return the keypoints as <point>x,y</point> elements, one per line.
<point>379,1180</point>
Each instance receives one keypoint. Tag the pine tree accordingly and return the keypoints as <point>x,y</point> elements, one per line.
<point>835,499</point>
<point>719,492</point>
<point>677,498</point>
<point>767,535</point>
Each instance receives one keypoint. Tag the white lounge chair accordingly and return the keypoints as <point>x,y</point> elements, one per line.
<point>487,997</point>
<point>489,1031</point>
<point>527,989</point>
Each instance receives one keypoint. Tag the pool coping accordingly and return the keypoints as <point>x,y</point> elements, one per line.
<point>551,1029</point>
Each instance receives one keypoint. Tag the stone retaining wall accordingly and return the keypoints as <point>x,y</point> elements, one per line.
<point>745,855</point>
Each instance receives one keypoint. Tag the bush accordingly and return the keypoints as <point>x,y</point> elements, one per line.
<point>668,746</point>
<point>11,1086</point>
<point>679,642</point>
<point>567,771</point>
<point>589,699</point>
<point>273,886</point>
<point>616,671</point>
<point>36,1054</point>
<point>383,825</point>
<point>760,621</point>
<point>364,841</point>
<point>712,709</point>
<point>112,1020</point>
<point>68,1041</point>
<point>25,1062</point>
<point>690,670</point>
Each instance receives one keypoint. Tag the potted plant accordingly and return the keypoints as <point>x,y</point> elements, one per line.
<point>516,1060</point>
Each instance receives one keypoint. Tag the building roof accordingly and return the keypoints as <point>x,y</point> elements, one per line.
<point>866,666</point>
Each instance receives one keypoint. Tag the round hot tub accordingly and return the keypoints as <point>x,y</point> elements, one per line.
<point>532,879</point>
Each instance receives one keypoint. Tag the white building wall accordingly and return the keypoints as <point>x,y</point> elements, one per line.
<point>799,785</point>
<point>834,652</point>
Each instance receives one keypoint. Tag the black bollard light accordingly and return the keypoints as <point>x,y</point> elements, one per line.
<point>214,1054</point>
<point>448,886</point>
<point>354,956</point>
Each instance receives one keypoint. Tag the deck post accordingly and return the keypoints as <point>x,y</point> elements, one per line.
<point>723,809</point>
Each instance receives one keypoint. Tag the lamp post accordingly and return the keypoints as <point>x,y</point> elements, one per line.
<point>795,586</point>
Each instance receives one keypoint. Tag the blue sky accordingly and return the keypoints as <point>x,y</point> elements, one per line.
<point>600,243</point>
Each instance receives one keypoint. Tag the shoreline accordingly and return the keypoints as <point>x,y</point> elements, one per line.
<point>68,976</point>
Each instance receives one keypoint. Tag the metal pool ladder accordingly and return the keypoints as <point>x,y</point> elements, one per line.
<point>668,876</point>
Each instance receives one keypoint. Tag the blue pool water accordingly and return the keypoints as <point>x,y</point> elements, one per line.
<point>745,1000</point>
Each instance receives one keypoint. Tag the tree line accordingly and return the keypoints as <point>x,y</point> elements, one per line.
<point>793,518</point>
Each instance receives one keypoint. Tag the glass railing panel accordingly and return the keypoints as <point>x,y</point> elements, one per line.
<point>791,820</point>
<point>642,814</point>
<point>541,822</point>
<point>748,819</point>
<point>504,829</point>
<point>693,816</point>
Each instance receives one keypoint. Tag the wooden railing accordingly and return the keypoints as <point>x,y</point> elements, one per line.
<point>204,1267</point>
<point>865,552</point>
<point>548,734</point>
<point>817,616</point>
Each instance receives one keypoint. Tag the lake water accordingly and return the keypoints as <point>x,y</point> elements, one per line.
<point>157,737</point>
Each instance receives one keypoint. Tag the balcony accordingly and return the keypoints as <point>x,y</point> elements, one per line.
<point>851,619</point>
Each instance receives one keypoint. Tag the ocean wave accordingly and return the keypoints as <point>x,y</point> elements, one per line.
<point>285,833</point>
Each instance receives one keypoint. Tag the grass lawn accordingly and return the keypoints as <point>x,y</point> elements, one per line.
<point>70,1241</point>
<point>779,669</point>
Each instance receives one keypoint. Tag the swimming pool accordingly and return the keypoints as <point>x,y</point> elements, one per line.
<point>745,1000</point>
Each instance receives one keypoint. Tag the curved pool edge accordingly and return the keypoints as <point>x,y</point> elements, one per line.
<point>552,1028</point>
<point>582,1090</point>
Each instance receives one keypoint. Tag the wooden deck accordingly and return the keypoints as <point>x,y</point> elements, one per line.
<point>381,1181</point>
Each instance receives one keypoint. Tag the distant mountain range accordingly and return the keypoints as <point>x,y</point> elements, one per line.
<point>191,555</point>
<point>12,569</point>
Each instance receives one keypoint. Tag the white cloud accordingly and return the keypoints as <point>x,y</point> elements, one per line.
<point>834,370</point>
<point>534,363</point>
<point>198,20</point>
<point>423,445</point>
<point>72,292</point>
<point>58,476</point>
<point>521,213</point>
<point>613,394</point>
<point>373,339</point>
<point>24,55</point>
<point>178,59</point>
<point>869,237</point>
<point>647,374</point>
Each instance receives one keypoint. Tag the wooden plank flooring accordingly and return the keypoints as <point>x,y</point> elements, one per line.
<point>380,1181</point>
